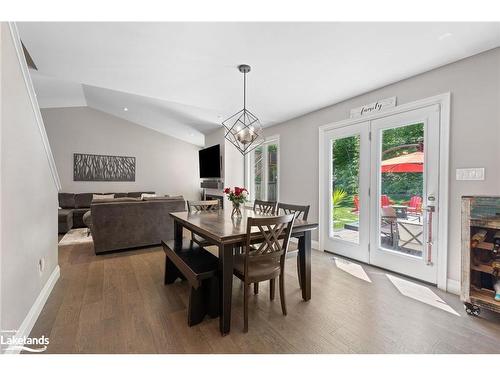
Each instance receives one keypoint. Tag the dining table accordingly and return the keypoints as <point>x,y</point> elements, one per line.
<point>229,233</point>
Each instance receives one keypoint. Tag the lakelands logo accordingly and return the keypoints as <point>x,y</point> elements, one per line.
<point>9,341</point>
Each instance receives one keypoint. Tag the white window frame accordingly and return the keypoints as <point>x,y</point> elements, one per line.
<point>275,139</point>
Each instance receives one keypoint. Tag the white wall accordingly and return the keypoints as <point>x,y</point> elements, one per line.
<point>232,161</point>
<point>474,84</point>
<point>163,164</point>
<point>28,217</point>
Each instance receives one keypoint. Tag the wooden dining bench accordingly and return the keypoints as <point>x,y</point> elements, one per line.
<point>189,261</point>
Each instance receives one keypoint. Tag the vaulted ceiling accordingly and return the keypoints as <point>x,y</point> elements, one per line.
<point>182,78</point>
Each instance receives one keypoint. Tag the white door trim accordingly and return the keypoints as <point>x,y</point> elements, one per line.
<point>443,100</point>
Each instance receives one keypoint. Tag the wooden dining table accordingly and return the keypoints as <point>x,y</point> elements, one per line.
<point>228,234</point>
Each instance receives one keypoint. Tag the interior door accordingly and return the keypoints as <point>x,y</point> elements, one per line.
<point>346,182</point>
<point>404,194</point>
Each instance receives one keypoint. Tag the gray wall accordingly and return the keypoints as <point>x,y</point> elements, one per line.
<point>474,84</point>
<point>28,196</point>
<point>232,162</point>
<point>163,164</point>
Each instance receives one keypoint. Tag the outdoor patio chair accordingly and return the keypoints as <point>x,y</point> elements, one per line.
<point>385,201</point>
<point>415,204</point>
<point>410,235</point>
<point>355,200</point>
<point>388,225</point>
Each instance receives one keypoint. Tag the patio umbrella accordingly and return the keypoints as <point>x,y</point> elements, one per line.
<point>413,163</point>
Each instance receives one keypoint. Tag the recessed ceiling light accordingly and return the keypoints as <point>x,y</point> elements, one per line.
<point>125,109</point>
<point>444,36</point>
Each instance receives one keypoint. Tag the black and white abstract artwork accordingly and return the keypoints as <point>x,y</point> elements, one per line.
<point>89,167</point>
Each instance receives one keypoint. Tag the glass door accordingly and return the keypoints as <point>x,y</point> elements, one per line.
<point>346,220</point>
<point>404,192</point>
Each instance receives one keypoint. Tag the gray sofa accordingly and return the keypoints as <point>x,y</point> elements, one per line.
<point>74,205</point>
<point>124,223</point>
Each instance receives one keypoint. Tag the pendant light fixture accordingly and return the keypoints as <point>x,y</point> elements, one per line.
<point>243,129</point>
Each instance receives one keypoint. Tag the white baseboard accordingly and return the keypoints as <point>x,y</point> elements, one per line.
<point>453,286</point>
<point>314,244</point>
<point>30,320</point>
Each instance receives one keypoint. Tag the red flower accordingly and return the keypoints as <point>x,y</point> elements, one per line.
<point>237,190</point>
<point>227,190</point>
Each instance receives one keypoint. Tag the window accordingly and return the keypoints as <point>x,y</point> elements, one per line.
<point>263,171</point>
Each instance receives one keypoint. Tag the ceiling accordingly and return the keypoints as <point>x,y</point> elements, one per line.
<point>182,78</point>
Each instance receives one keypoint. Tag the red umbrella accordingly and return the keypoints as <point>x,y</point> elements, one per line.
<point>413,163</point>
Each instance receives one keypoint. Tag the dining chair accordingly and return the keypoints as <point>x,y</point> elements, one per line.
<point>264,260</point>
<point>265,207</point>
<point>197,206</point>
<point>300,212</point>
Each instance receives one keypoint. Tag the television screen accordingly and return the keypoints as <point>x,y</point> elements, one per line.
<point>210,162</point>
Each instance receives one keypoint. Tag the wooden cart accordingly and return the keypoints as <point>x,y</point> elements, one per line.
<point>478,212</point>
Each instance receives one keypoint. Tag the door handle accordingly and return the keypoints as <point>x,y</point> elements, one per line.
<point>430,211</point>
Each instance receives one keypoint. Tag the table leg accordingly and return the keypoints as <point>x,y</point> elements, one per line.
<point>305,264</point>
<point>177,232</point>
<point>225,287</point>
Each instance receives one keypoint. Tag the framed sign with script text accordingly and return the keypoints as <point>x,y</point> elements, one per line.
<point>372,108</point>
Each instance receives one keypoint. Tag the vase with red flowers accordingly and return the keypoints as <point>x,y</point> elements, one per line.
<point>238,196</point>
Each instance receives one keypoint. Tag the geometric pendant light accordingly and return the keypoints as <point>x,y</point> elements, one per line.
<point>243,129</point>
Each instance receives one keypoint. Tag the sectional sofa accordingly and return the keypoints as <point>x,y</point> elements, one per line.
<point>124,222</point>
<point>72,207</point>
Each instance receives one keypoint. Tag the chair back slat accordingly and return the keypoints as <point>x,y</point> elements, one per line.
<point>300,212</point>
<point>264,207</point>
<point>211,205</point>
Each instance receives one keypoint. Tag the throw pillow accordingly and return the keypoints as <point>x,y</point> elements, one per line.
<point>146,195</point>
<point>96,197</point>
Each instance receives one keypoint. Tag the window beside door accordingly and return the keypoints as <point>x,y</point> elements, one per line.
<point>263,171</point>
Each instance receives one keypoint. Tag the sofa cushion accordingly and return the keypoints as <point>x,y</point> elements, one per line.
<point>174,197</point>
<point>83,200</point>
<point>137,194</point>
<point>96,197</point>
<point>65,220</point>
<point>155,198</point>
<point>63,213</point>
<point>78,217</point>
<point>121,199</point>
<point>119,195</point>
<point>66,200</point>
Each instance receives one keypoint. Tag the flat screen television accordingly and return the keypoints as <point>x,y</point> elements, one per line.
<point>210,162</point>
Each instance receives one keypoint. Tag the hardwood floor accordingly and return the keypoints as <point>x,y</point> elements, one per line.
<point>117,303</point>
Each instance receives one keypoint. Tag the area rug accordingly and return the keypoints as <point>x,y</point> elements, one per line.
<point>76,236</point>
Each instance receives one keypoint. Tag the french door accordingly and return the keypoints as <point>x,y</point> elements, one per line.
<point>347,185</point>
<point>381,199</point>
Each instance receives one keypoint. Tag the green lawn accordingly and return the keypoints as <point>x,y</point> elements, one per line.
<point>342,216</point>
